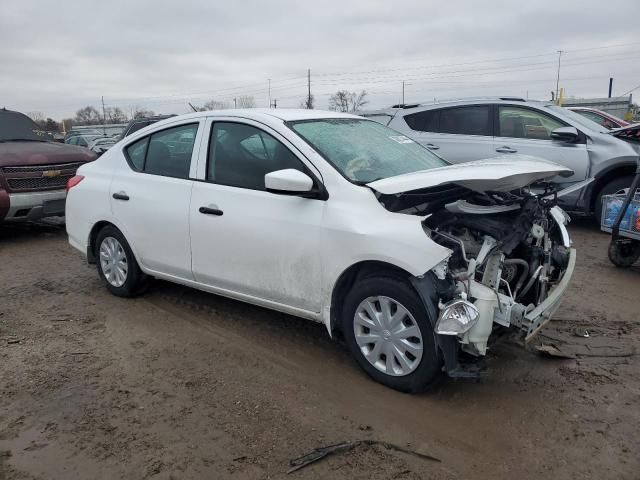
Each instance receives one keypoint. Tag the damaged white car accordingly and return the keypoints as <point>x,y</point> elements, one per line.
<point>336,219</point>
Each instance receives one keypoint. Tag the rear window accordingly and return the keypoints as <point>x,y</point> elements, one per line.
<point>474,120</point>
<point>426,121</point>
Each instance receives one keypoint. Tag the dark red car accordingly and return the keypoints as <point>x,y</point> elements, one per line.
<point>601,118</point>
<point>34,169</point>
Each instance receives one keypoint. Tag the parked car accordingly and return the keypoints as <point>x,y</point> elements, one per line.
<point>102,144</point>
<point>33,169</point>
<point>83,140</point>
<point>471,129</point>
<point>79,133</point>
<point>139,123</point>
<point>605,119</point>
<point>332,218</point>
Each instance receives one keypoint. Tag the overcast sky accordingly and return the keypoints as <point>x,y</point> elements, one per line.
<point>56,57</point>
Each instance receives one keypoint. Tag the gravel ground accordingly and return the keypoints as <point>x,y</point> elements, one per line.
<point>182,384</point>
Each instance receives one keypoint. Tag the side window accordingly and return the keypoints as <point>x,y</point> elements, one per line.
<point>166,153</point>
<point>474,120</point>
<point>136,152</point>
<point>519,122</point>
<point>169,151</point>
<point>241,155</point>
<point>426,121</point>
<point>82,142</point>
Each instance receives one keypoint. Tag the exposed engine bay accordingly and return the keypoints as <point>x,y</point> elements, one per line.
<point>511,259</point>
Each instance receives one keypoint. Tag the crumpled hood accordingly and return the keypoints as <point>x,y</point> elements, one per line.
<point>42,153</point>
<point>503,173</point>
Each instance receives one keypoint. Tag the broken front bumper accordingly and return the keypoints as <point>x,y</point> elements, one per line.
<point>540,316</point>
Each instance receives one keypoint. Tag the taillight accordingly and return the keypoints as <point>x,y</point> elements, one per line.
<point>73,181</point>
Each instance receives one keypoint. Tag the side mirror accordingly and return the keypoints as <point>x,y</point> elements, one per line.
<point>288,182</point>
<point>565,134</point>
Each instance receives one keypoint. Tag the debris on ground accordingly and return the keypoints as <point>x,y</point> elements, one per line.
<point>319,453</point>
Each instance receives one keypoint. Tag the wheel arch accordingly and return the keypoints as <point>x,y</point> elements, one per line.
<point>93,235</point>
<point>606,176</point>
<point>353,273</point>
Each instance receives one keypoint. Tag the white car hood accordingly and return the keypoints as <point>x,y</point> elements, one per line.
<point>504,173</point>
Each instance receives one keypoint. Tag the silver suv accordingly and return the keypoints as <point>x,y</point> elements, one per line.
<point>473,129</point>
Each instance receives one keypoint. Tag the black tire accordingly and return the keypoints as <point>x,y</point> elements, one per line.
<point>135,278</point>
<point>613,186</point>
<point>624,253</point>
<point>429,369</point>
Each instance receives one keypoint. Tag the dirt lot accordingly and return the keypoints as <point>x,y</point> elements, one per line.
<point>183,384</point>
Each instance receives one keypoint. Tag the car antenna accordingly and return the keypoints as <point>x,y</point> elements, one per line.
<point>194,108</point>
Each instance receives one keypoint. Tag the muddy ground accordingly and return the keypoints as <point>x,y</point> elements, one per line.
<point>182,384</point>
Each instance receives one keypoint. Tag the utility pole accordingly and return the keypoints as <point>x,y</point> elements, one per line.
<point>402,92</point>
<point>104,118</point>
<point>309,88</point>
<point>275,103</point>
<point>610,86</point>
<point>269,92</point>
<point>558,77</point>
<point>235,102</point>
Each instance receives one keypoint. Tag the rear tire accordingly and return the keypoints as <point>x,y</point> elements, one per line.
<point>399,356</point>
<point>610,188</point>
<point>624,253</point>
<point>117,266</point>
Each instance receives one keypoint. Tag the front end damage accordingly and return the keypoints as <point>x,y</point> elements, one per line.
<point>511,262</point>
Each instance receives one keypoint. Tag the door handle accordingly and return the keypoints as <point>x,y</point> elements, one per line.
<point>431,146</point>
<point>210,211</point>
<point>121,196</point>
<point>506,149</point>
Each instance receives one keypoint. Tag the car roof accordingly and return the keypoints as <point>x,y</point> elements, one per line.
<point>453,102</point>
<point>284,114</point>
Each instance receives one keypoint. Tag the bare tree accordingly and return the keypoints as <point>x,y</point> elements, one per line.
<point>36,116</point>
<point>358,100</point>
<point>115,115</point>
<point>215,105</point>
<point>339,101</point>
<point>307,102</point>
<point>345,101</point>
<point>87,116</point>
<point>245,101</point>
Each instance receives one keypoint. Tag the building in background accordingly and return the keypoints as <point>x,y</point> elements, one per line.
<point>621,107</point>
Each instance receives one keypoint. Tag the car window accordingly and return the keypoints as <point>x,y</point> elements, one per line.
<point>472,120</point>
<point>136,153</point>
<point>426,121</point>
<point>516,122</point>
<point>241,155</point>
<point>167,155</point>
<point>82,142</point>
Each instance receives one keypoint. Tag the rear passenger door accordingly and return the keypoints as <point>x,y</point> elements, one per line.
<point>457,134</point>
<point>150,197</point>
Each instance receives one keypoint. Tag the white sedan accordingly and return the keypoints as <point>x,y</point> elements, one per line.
<point>336,219</point>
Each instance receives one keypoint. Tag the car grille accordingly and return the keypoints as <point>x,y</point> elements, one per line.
<point>39,177</point>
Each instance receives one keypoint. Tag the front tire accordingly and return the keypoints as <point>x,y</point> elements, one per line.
<point>390,334</point>
<point>116,263</point>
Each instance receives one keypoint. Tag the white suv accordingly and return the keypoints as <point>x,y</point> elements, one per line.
<point>473,129</point>
<point>333,218</point>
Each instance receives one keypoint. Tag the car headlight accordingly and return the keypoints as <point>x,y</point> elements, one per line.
<point>456,317</point>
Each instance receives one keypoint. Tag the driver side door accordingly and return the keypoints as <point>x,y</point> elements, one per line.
<point>248,241</point>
